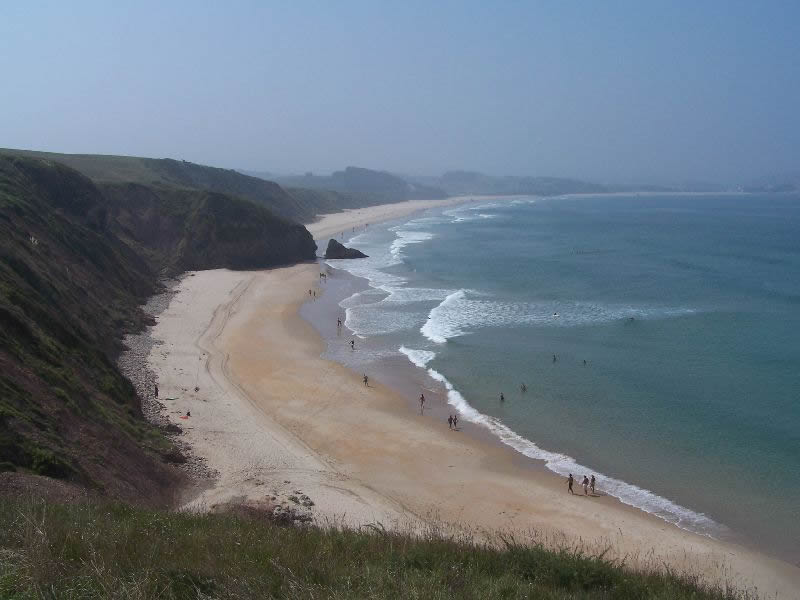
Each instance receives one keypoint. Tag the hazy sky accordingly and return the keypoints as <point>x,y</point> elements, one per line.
<point>623,91</point>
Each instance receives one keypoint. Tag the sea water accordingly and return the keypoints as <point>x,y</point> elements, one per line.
<point>685,309</point>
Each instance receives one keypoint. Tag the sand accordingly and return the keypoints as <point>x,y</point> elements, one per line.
<point>275,420</point>
<point>327,226</point>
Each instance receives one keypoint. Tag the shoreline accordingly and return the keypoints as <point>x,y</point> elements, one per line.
<point>407,378</point>
<point>331,224</point>
<point>273,418</point>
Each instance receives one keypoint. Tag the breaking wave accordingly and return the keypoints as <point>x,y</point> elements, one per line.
<point>458,313</point>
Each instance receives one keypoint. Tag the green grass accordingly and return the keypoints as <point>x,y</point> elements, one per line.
<point>178,174</point>
<point>116,551</point>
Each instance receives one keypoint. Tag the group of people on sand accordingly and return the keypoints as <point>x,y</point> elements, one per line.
<point>452,421</point>
<point>587,484</point>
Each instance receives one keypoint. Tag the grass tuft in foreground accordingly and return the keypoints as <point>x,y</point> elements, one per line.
<point>116,551</point>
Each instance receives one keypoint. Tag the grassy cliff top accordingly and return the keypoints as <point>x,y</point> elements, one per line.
<point>116,551</point>
<point>169,173</point>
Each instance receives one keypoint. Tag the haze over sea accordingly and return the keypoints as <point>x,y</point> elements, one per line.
<point>686,310</point>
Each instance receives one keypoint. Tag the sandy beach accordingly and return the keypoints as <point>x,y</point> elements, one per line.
<point>279,425</point>
<point>327,226</point>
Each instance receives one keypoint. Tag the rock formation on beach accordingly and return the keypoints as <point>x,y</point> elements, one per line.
<point>337,250</point>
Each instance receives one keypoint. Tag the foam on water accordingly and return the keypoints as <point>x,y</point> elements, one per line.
<point>458,313</point>
<point>407,295</point>
<point>376,319</point>
<point>439,326</point>
<point>653,275</point>
<point>467,213</point>
<point>404,238</point>
<point>420,358</point>
<point>362,314</point>
<point>563,464</point>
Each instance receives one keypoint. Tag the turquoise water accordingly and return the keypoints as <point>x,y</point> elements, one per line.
<point>686,310</point>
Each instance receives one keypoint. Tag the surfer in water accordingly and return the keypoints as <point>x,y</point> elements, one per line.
<point>502,398</point>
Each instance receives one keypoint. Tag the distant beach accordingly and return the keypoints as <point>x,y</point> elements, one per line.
<point>273,420</point>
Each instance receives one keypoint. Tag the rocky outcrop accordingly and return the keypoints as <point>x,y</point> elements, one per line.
<point>337,250</point>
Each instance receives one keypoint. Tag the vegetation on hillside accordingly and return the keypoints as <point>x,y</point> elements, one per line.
<point>76,263</point>
<point>470,182</point>
<point>68,288</point>
<point>179,229</point>
<point>324,201</point>
<point>117,551</point>
<point>460,183</point>
<point>366,186</point>
<point>308,197</point>
<point>168,173</point>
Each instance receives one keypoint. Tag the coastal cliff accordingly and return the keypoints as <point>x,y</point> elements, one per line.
<point>76,262</point>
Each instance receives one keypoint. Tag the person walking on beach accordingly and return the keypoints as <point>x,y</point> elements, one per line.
<point>450,421</point>
<point>585,485</point>
<point>338,322</point>
<point>591,485</point>
<point>569,484</point>
<point>421,403</point>
<point>455,421</point>
<point>352,344</point>
<point>366,380</point>
<point>156,390</point>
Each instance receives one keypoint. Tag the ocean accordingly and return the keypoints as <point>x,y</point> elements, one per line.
<point>685,309</point>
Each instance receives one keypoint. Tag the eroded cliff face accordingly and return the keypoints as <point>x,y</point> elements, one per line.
<point>180,230</point>
<point>76,263</point>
